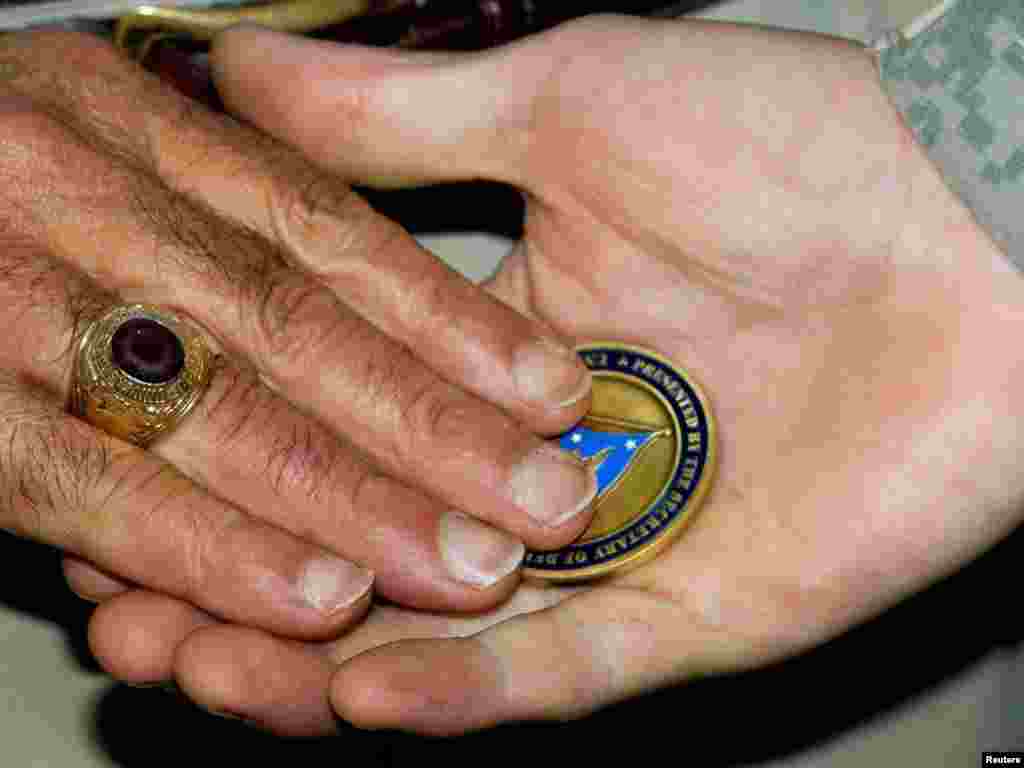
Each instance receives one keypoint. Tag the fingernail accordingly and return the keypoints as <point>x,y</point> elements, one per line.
<point>475,553</point>
<point>329,584</point>
<point>546,372</point>
<point>553,486</point>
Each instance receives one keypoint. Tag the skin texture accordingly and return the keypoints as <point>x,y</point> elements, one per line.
<point>748,203</point>
<point>348,357</point>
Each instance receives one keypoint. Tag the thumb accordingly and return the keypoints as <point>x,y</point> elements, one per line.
<point>382,117</point>
<point>563,662</point>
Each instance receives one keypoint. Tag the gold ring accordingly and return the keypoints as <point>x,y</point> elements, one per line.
<point>138,372</point>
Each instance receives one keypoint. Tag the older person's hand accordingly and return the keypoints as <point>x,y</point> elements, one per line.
<point>352,431</point>
<point>748,203</point>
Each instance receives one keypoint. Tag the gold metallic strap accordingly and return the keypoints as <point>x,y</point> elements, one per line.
<point>137,31</point>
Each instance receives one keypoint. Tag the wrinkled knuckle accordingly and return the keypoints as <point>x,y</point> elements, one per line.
<point>296,208</point>
<point>382,376</point>
<point>439,418</point>
<point>302,461</point>
<point>233,401</point>
<point>309,206</point>
<point>431,300</point>
<point>301,455</point>
<point>297,318</point>
<point>329,227</point>
<point>369,487</point>
<point>367,262</point>
<point>197,557</point>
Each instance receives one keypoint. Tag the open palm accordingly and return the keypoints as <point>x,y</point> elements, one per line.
<point>748,204</point>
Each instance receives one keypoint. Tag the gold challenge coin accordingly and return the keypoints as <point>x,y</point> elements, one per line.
<point>651,437</point>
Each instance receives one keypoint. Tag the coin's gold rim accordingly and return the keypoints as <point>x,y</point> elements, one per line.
<point>648,551</point>
<point>137,411</point>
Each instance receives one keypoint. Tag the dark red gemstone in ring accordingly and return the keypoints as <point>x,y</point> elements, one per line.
<point>147,351</point>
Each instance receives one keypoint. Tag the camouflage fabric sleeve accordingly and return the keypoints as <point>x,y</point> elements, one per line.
<point>958,76</point>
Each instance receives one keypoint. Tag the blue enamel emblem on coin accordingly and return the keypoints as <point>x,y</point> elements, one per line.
<point>650,437</point>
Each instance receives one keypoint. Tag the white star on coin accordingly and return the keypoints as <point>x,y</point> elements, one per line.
<point>577,438</point>
<point>630,445</point>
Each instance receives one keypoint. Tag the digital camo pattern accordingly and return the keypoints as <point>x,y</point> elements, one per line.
<point>960,83</point>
